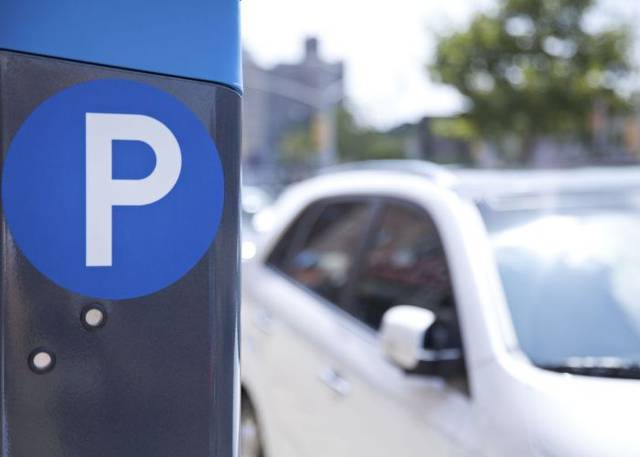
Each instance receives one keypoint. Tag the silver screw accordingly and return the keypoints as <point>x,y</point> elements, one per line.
<point>94,317</point>
<point>41,361</point>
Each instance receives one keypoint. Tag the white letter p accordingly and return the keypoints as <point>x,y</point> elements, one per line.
<point>103,192</point>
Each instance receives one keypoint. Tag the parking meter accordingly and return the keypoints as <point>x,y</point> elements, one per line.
<point>119,131</point>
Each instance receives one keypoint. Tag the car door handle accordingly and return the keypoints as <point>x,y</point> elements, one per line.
<point>334,381</point>
<point>263,320</point>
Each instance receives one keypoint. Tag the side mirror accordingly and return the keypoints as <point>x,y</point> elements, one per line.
<point>403,334</point>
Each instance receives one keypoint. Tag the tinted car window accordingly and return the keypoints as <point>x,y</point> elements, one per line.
<point>292,236</point>
<point>323,260</point>
<point>404,265</point>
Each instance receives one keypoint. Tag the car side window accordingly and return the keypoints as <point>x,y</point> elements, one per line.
<point>405,264</point>
<point>295,233</point>
<point>322,261</point>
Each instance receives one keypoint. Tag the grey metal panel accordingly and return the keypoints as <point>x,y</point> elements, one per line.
<point>160,378</point>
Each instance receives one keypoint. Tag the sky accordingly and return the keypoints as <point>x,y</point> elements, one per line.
<point>385,44</point>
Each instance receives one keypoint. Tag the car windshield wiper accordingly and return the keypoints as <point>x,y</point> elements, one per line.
<point>605,367</point>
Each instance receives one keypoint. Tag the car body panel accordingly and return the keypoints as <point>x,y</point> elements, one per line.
<point>510,407</point>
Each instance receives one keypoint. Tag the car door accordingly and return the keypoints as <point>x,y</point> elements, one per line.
<point>382,411</point>
<point>290,302</point>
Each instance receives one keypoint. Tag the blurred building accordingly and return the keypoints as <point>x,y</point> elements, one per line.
<point>281,99</point>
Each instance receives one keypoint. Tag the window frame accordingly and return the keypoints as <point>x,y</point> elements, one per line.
<point>381,203</point>
<point>344,309</point>
<point>377,203</point>
<point>301,236</point>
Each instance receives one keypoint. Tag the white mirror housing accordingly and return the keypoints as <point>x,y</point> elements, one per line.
<point>403,332</point>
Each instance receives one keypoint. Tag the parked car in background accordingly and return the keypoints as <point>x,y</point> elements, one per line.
<point>402,309</point>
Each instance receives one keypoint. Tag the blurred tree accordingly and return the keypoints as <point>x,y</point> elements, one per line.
<point>361,143</point>
<point>298,153</point>
<point>531,69</point>
<point>297,145</point>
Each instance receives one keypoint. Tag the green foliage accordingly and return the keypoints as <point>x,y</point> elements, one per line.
<point>354,142</point>
<point>459,128</point>
<point>531,69</point>
<point>360,143</point>
<point>296,146</point>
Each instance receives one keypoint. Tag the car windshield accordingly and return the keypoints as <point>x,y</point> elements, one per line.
<point>570,269</point>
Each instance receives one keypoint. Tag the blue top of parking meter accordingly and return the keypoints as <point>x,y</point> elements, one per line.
<point>197,39</point>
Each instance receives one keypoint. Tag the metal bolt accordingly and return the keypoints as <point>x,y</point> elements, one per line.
<point>93,317</point>
<point>41,361</point>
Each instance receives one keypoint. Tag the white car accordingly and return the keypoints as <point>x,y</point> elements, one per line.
<point>401,309</point>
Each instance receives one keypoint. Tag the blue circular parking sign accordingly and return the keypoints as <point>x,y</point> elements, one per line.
<point>113,189</point>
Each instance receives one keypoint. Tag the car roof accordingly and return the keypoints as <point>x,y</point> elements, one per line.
<point>478,184</point>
